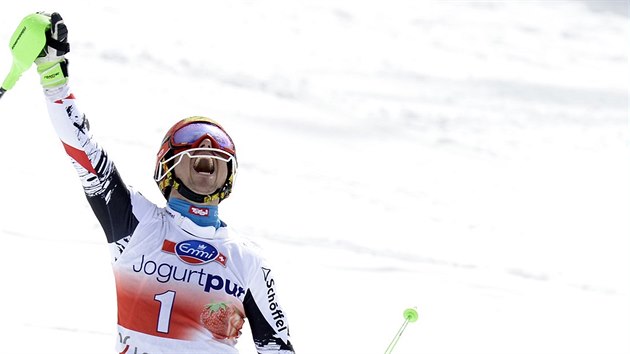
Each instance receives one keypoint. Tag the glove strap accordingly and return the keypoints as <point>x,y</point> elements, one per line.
<point>61,47</point>
<point>53,74</point>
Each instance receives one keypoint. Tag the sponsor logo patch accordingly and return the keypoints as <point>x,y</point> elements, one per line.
<point>194,252</point>
<point>273,304</point>
<point>199,211</point>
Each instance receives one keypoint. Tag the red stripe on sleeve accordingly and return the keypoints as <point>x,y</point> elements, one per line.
<point>80,157</point>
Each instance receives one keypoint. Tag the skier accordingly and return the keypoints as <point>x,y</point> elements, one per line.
<point>183,283</point>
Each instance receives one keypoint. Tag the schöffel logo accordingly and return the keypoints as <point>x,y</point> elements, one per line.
<point>199,211</point>
<point>194,252</point>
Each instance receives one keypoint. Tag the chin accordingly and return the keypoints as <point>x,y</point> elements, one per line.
<point>202,189</point>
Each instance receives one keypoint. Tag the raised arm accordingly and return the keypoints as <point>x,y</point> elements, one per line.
<point>107,194</point>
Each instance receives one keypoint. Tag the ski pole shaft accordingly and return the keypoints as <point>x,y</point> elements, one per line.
<point>394,341</point>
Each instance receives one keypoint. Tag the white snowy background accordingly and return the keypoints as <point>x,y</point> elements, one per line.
<point>469,158</point>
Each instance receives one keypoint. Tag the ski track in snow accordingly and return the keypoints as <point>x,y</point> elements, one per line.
<point>411,262</point>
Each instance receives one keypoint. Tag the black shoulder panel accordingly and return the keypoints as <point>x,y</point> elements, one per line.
<point>113,209</point>
<point>264,335</point>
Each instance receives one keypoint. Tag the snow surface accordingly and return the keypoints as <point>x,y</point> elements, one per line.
<point>467,158</point>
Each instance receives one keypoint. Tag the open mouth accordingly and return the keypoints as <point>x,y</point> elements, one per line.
<point>203,165</point>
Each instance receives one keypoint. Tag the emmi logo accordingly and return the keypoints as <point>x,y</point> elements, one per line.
<point>194,252</point>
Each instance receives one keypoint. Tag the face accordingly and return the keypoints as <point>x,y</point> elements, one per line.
<point>202,173</point>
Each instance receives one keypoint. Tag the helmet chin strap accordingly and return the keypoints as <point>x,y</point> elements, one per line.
<point>187,193</point>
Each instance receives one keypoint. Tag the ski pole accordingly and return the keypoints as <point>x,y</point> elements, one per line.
<point>411,315</point>
<point>26,44</point>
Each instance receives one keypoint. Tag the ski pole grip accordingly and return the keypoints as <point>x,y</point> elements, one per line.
<point>26,44</point>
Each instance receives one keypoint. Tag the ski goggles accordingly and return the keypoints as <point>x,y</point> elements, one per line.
<point>192,134</point>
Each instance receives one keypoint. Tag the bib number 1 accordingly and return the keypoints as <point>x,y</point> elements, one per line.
<point>166,301</point>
